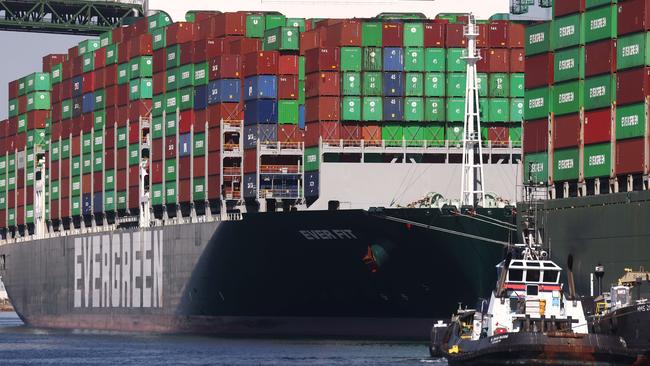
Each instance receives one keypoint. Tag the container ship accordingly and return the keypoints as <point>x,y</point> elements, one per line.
<point>586,134</point>
<point>252,174</point>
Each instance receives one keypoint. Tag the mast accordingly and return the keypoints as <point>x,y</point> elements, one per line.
<point>472,185</point>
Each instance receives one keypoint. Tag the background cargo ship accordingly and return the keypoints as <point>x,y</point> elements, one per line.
<point>586,134</point>
<point>249,149</point>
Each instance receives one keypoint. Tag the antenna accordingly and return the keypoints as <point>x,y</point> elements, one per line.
<point>472,185</point>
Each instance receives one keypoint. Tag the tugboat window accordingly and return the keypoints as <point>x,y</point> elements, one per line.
<point>532,275</point>
<point>550,276</point>
<point>515,275</point>
<point>532,290</point>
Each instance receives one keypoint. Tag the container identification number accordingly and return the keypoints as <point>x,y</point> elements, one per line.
<point>598,23</point>
<point>566,97</point>
<point>536,103</point>
<point>598,91</point>
<point>596,160</point>
<point>567,64</point>
<point>628,121</point>
<point>630,50</point>
<point>567,31</point>
<point>565,164</point>
<point>536,38</point>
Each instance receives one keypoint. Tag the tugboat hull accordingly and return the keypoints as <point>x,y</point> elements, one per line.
<point>632,323</point>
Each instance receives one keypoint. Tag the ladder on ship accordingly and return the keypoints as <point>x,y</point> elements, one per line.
<point>231,136</point>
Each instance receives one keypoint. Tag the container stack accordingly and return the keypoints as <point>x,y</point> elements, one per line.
<point>586,98</point>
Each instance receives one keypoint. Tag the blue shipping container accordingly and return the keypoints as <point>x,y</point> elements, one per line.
<point>224,90</point>
<point>88,103</point>
<point>77,104</point>
<point>301,116</point>
<point>250,185</point>
<point>393,84</point>
<point>98,203</point>
<point>87,204</point>
<point>77,86</point>
<point>185,144</point>
<point>201,97</point>
<point>393,109</point>
<point>261,87</point>
<point>253,133</point>
<point>393,59</point>
<point>260,111</point>
<point>312,186</point>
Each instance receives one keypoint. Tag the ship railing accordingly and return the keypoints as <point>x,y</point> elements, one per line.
<point>278,146</point>
<point>281,169</point>
<point>231,194</point>
<point>231,147</point>
<point>284,193</point>
<point>232,170</point>
<point>432,146</point>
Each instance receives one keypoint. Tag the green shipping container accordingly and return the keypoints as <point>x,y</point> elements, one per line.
<point>88,45</point>
<point>372,59</point>
<point>371,34</point>
<point>499,110</point>
<point>172,77</point>
<point>157,124</point>
<point>109,180</point>
<point>589,4</point>
<point>123,74</point>
<point>516,85</point>
<point>38,81</point>
<point>38,101</point>
<point>414,85</point>
<point>22,123</point>
<point>568,97</point>
<point>600,91</point>
<point>159,38</point>
<point>98,164</point>
<point>141,89</point>
<point>158,20</point>
<point>414,109</point>
<point>434,134</point>
<point>281,39</point>
<point>66,109</point>
<point>482,81</point>
<point>298,23</point>
<point>88,62</point>
<point>157,195</point>
<point>456,109</point>
<point>597,160</point>
<point>109,201</point>
<point>350,59</point>
<point>170,192</point>
<point>454,61</point>
<point>57,74</point>
<point>351,109</point>
<point>171,102</point>
<point>272,21</point>
<point>158,105</point>
<point>100,101</point>
<point>516,110</point>
<point>566,165</point>
<point>435,84</point>
<point>288,112</point>
<point>414,59</point>
<point>312,159</point>
<point>170,170</point>
<point>567,31</point>
<point>13,108</point>
<point>351,83</point>
<point>185,76</point>
<point>633,51</point>
<point>111,54</point>
<point>414,135</point>
<point>186,99</point>
<point>11,217</point>
<point>499,85</point>
<point>55,149</point>
<point>536,168</point>
<point>87,143</point>
<point>121,200</point>
<point>171,124</point>
<point>372,109</point>
<point>630,121</point>
<point>454,134</point>
<point>86,164</point>
<point>122,137</point>
<point>372,84</point>
<point>600,23</point>
<point>392,134</point>
<point>105,39</point>
<point>98,140</point>
<point>198,189</point>
<point>301,91</point>
<point>173,56</point>
<point>255,26</point>
<point>413,34</point>
<point>569,64</point>
<point>435,59</point>
<point>538,39</point>
<point>141,67</point>
<point>198,144</point>
<point>201,74</point>
<point>456,84</point>
<point>514,133</point>
<point>434,110</point>
<point>538,103</point>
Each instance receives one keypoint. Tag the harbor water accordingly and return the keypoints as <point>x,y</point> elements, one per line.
<point>20,345</point>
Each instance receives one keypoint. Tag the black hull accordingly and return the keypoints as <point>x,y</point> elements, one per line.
<point>324,273</point>
<point>632,323</point>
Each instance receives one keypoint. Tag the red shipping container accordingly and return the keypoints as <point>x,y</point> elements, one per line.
<point>133,197</point>
<point>75,147</point>
<point>141,46</point>
<point>185,190</point>
<point>88,82</point>
<point>50,61</point>
<point>65,172</point>
<point>288,87</point>
<point>633,16</point>
<point>141,26</point>
<point>100,58</point>
<point>244,46</point>
<point>66,89</point>
<point>598,126</point>
<point>455,36</point>
<point>184,167</point>
<point>13,89</point>
<point>351,131</point>
<point>55,170</point>
<point>498,136</point>
<point>288,65</point>
<point>139,108</point>
<point>312,39</point>
<point>566,7</point>
<point>630,156</point>
<point>186,53</point>
<point>329,131</point>
<point>111,116</point>
<point>498,33</point>
<point>122,95</point>
<point>22,104</point>
<point>541,71</point>
<point>86,183</point>
<point>200,119</point>
<point>121,158</point>
<point>250,161</point>
<point>120,179</point>
<point>65,207</point>
<point>632,86</point>
<point>156,172</point>
<point>134,132</point>
<point>20,215</point>
<point>214,139</point>
<point>345,33</point>
<point>56,93</point>
<point>225,67</point>
<point>56,130</point>
<point>261,63</point>
<point>371,133</point>
<point>54,211</point>
<point>109,159</point>
<point>73,52</point>
<point>111,98</point>
<point>225,24</point>
<point>170,147</point>
<point>98,182</point>
<point>159,60</point>
<point>535,136</point>
<point>482,39</point>
<point>214,163</point>
<point>67,70</point>
<point>157,149</point>
<point>392,34</point>
<point>117,35</point>
<point>98,79</point>
<point>322,59</point>
<point>225,111</point>
<point>159,83</point>
<point>498,60</point>
<point>289,133</point>
<point>214,187</point>
<point>566,131</point>
<point>209,48</point>
<point>198,166</point>
<point>180,32</point>
<point>185,121</point>
<point>201,15</point>
<point>600,58</point>
<point>322,109</point>
<point>123,52</point>
<point>517,60</point>
<point>434,35</point>
<point>37,119</point>
<point>110,75</point>
<point>134,176</point>
<point>517,36</point>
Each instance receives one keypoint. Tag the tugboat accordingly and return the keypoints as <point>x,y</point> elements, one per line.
<point>625,310</point>
<point>528,320</point>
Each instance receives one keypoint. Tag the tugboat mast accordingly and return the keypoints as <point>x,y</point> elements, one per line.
<point>473,183</point>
